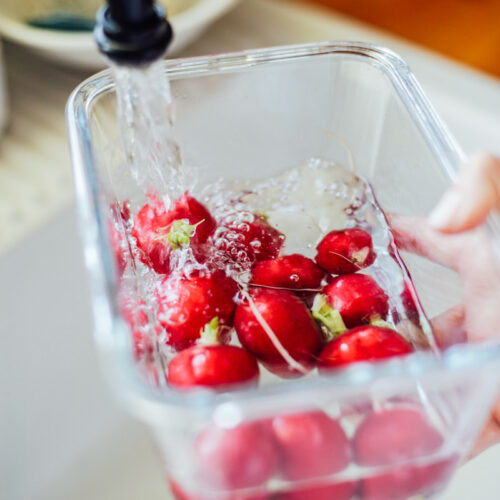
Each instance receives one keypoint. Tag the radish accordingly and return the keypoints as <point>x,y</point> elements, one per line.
<point>392,436</point>
<point>241,457</point>
<point>211,364</point>
<point>246,238</point>
<point>290,271</point>
<point>363,343</point>
<point>187,304</point>
<point>158,232</point>
<point>345,251</point>
<point>356,297</point>
<point>277,328</point>
<point>311,445</point>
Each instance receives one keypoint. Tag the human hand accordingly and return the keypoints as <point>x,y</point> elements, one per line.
<point>452,236</point>
<point>475,194</point>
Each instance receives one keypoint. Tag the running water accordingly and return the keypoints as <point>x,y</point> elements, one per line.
<point>153,159</point>
<point>146,120</point>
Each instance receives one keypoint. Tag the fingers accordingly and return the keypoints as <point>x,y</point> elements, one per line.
<point>415,235</point>
<point>489,436</point>
<point>475,193</point>
<point>449,327</point>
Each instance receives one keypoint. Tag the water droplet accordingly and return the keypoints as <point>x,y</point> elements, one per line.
<point>243,226</point>
<point>242,256</point>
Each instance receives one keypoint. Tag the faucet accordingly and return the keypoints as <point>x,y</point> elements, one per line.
<point>132,32</point>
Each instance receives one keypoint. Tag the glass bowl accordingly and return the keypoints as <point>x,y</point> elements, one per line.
<point>398,428</point>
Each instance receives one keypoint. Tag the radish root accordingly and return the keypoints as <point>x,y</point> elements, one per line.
<point>343,143</point>
<point>346,258</point>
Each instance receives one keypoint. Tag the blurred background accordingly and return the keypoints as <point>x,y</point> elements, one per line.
<point>466,30</point>
<point>62,436</point>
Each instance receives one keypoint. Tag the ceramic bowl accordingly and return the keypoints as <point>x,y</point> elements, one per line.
<point>189,19</point>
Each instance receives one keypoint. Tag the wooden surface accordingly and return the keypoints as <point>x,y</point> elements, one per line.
<point>466,30</point>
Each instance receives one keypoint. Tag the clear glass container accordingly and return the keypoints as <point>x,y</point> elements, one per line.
<point>256,114</point>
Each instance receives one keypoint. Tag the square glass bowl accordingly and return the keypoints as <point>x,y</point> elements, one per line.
<point>256,114</point>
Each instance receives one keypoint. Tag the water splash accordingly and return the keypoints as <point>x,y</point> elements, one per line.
<point>304,203</point>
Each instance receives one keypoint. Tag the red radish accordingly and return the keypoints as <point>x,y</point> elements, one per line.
<point>212,366</point>
<point>409,304</point>
<point>277,328</point>
<point>247,238</point>
<point>409,297</point>
<point>357,298</point>
<point>290,271</point>
<point>135,315</point>
<point>180,494</point>
<point>215,365</point>
<point>345,251</point>
<point>364,343</point>
<point>242,457</point>
<point>122,210</point>
<point>119,243</point>
<point>392,436</point>
<point>336,491</point>
<point>407,481</point>
<point>119,248</point>
<point>186,305</point>
<point>311,445</point>
<point>158,231</point>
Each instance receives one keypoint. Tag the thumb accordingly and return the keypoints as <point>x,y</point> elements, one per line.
<point>414,234</point>
<point>475,193</point>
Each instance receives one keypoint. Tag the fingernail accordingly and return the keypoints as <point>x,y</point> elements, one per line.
<point>446,213</point>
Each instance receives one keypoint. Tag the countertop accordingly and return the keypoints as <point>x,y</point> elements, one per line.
<point>75,442</point>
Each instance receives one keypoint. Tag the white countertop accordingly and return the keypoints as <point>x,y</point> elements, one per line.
<point>91,449</point>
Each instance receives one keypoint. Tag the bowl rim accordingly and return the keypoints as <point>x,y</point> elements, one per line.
<point>200,13</point>
<point>111,333</point>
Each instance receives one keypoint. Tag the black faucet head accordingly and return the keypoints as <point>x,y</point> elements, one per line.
<point>135,39</point>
